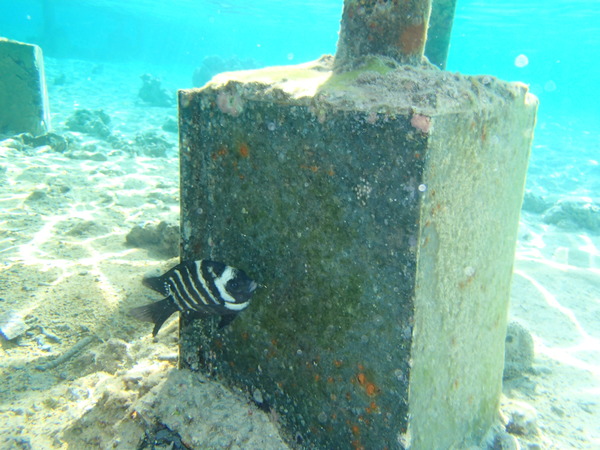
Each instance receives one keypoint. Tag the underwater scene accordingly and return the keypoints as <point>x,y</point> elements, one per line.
<point>410,247</point>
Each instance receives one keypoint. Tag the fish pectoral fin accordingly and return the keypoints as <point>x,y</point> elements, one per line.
<point>156,284</point>
<point>156,313</point>
<point>226,320</point>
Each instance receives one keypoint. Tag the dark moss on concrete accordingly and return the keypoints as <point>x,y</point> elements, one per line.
<point>306,206</point>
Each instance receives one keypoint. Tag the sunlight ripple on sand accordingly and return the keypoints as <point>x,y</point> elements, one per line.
<point>565,355</point>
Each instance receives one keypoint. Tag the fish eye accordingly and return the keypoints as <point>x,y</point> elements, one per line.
<point>233,284</point>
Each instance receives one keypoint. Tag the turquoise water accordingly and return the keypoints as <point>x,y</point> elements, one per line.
<point>559,39</point>
<point>551,45</point>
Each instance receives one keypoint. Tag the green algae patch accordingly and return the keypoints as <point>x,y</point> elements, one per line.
<point>303,211</point>
<point>297,81</point>
<point>371,65</point>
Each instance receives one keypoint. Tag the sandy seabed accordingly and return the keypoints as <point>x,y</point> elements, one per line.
<point>83,374</point>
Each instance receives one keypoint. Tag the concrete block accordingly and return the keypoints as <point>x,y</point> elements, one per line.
<point>23,96</point>
<point>379,209</point>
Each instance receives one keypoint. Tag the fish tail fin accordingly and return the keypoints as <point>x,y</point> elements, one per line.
<point>156,313</point>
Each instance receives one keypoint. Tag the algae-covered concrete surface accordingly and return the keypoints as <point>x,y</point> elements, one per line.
<point>468,230</point>
<point>23,96</point>
<point>378,210</point>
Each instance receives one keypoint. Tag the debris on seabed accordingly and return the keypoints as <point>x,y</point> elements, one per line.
<point>12,325</point>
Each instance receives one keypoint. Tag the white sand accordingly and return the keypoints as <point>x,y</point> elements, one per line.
<point>556,295</point>
<point>65,268</point>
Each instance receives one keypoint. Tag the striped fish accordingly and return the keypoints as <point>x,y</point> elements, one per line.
<point>198,289</point>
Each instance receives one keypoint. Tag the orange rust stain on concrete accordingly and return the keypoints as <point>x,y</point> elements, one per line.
<point>412,38</point>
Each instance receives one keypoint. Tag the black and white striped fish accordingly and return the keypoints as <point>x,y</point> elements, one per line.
<point>197,288</point>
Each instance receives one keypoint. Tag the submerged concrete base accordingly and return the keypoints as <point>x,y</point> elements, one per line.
<point>23,96</point>
<point>378,209</point>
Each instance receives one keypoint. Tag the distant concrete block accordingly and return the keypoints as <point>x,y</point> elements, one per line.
<point>379,209</point>
<point>23,96</point>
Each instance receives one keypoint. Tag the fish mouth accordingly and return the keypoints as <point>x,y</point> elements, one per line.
<point>252,287</point>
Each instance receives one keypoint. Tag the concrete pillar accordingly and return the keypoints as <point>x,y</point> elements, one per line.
<point>23,96</point>
<point>378,208</point>
<point>397,30</point>
<point>439,32</point>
